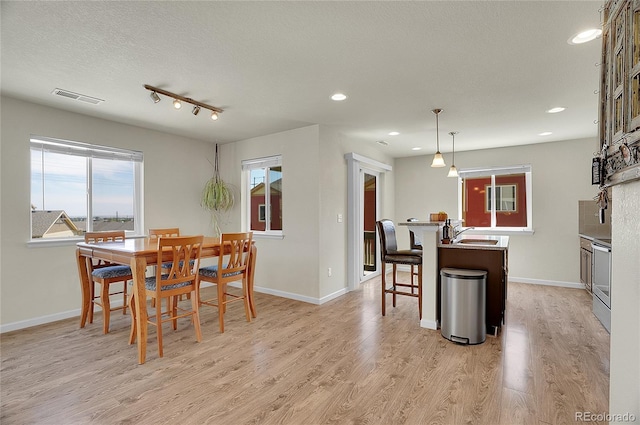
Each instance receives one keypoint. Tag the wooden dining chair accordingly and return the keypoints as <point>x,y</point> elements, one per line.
<point>230,268</point>
<point>166,232</point>
<point>181,278</point>
<point>389,254</point>
<point>154,234</point>
<point>105,274</point>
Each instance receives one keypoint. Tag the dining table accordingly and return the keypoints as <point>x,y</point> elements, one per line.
<point>138,253</point>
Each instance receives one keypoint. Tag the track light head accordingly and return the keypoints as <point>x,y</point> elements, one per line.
<point>177,104</point>
<point>214,116</point>
<point>155,97</point>
<point>196,110</point>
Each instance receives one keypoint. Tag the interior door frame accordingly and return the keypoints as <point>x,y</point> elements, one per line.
<point>357,165</point>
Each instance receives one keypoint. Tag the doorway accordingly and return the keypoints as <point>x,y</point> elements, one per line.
<point>369,216</point>
<point>365,182</point>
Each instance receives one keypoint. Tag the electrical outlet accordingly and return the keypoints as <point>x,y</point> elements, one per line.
<point>329,272</point>
<point>339,218</point>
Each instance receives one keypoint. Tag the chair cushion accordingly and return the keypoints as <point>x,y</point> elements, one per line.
<point>112,271</point>
<point>403,259</point>
<point>412,252</point>
<point>212,271</point>
<point>150,284</point>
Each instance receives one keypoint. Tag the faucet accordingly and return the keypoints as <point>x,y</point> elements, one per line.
<point>457,233</point>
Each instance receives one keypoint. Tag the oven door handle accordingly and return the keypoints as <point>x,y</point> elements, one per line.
<point>600,248</point>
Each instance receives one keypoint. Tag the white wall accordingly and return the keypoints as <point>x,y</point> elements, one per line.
<point>289,265</point>
<point>625,301</point>
<point>43,282</point>
<point>333,196</point>
<point>561,177</point>
<point>314,193</point>
<point>175,170</point>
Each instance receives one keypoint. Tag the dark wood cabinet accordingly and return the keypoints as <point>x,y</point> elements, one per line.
<point>494,262</point>
<point>585,263</point>
<point>619,112</point>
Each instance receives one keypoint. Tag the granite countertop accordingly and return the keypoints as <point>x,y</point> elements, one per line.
<point>501,244</point>
<point>421,223</point>
<point>602,240</point>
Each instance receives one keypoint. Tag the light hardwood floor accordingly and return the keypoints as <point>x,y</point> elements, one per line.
<point>302,364</point>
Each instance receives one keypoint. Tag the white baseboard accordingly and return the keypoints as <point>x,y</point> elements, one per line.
<point>23,324</point>
<point>429,324</point>
<point>562,284</point>
<point>298,297</point>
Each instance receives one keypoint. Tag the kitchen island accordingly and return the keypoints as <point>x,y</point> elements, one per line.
<point>480,252</point>
<point>427,234</point>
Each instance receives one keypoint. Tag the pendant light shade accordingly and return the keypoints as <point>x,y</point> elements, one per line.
<point>438,160</point>
<point>453,171</point>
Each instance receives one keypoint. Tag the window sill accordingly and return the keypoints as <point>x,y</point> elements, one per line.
<point>498,231</point>
<point>267,235</point>
<point>47,243</point>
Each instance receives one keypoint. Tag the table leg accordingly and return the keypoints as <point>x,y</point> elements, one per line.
<point>84,287</point>
<point>138,269</point>
<point>252,270</point>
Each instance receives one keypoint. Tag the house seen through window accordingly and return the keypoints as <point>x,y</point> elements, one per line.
<point>497,198</point>
<point>264,194</point>
<point>78,187</point>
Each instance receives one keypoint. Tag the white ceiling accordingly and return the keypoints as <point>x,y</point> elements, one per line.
<point>494,67</point>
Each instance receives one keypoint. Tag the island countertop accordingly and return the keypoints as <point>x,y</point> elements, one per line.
<point>479,242</point>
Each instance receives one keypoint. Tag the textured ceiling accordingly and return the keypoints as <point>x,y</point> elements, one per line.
<point>494,67</point>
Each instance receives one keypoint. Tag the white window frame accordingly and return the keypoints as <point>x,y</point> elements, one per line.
<point>90,151</point>
<point>253,164</point>
<point>493,172</point>
<point>500,207</point>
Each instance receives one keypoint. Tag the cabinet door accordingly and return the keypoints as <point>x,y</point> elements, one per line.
<point>583,272</point>
<point>634,66</point>
<point>588,260</point>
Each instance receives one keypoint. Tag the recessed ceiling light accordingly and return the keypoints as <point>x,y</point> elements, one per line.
<point>585,36</point>
<point>339,97</point>
<point>416,148</point>
<point>546,133</point>
<point>382,142</point>
<point>393,133</point>
<point>555,110</point>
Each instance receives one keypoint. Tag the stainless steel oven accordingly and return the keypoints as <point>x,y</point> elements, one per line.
<point>601,283</point>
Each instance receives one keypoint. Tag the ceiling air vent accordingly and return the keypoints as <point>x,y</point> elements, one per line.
<point>77,96</point>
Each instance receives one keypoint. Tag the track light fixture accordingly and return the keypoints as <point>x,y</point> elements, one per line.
<point>155,97</point>
<point>177,101</point>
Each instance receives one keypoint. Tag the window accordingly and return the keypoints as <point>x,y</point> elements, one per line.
<point>505,199</point>
<point>78,187</point>
<point>497,198</point>
<point>264,194</point>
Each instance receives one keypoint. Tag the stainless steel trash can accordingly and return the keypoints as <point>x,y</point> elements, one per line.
<point>463,305</point>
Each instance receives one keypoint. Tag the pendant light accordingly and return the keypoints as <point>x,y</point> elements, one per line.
<point>453,171</point>
<point>438,160</point>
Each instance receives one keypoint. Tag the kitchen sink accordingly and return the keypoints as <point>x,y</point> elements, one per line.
<point>477,241</point>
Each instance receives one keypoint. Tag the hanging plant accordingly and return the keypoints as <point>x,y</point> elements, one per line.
<point>217,196</point>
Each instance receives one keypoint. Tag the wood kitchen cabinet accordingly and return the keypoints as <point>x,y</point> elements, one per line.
<point>585,263</point>
<point>494,262</point>
<point>619,112</point>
